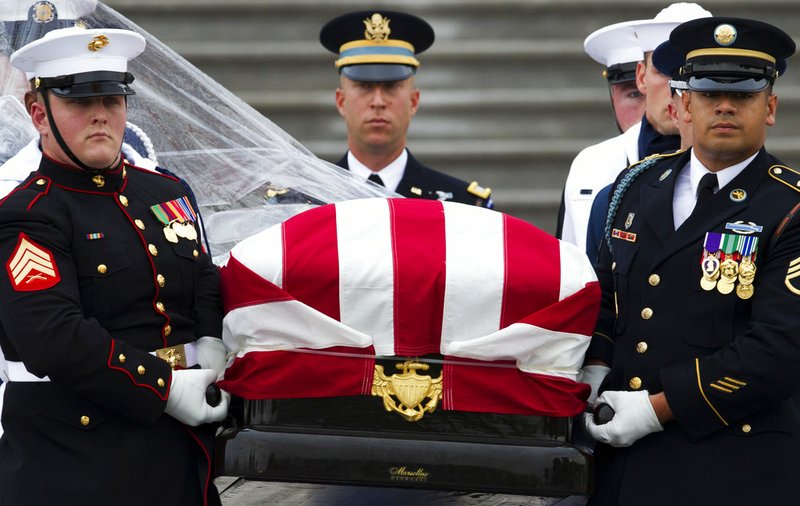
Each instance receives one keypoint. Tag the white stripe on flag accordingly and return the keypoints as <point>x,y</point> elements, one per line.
<point>366,270</point>
<point>535,350</point>
<point>286,325</point>
<point>263,254</point>
<point>576,270</point>
<point>475,264</point>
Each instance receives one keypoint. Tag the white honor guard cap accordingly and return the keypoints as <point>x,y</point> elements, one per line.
<point>77,62</point>
<point>616,47</point>
<point>652,32</point>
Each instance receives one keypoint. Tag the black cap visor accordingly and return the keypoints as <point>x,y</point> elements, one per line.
<point>378,72</point>
<point>621,73</point>
<point>89,84</point>
<point>728,84</point>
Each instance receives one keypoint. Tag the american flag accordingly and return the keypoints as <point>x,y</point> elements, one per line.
<point>311,303</point>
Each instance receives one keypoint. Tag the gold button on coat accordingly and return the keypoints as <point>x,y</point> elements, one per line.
<point>647,313</point>
<point>167,330</point>
<point>161,382</point>
<point>140,224</point>
<point>123,200</point>
<point>746,428</point>
<point>153,250</point>
<point>641,347</point>
<point>635,383</point>
<point>85,420</point>
<point>195,253</point>
<point>122,358</point>
<point>102,269</point>
<point>41,182</point>
<point>654,279</point>
<point>141,370</point>
<point>160,306</point>
<point>161,280</point>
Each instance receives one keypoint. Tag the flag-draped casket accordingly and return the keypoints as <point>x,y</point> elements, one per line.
<point>310,304</point>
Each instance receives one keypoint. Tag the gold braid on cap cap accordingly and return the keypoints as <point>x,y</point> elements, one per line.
<point>727,51</point>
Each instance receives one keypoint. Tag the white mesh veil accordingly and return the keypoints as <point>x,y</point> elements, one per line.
<point>246,173</point>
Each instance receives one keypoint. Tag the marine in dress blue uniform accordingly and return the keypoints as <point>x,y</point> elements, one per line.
<point>380,47</point>
<point>108,300</point>
<point>699,320</point>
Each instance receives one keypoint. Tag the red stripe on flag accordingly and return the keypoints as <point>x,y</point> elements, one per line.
<point>311,253</point>
<point>418,235</point>
<point>289,374</point>
<point>510,391</point>
<point>242,287</point>
<point>533,270</point>
<point>576,314</point>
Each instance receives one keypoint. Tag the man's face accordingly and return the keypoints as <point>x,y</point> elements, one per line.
<point>91,127</point>
<point>628,104</point>
<point>729,127</point>
<point>377,114</point>
<point>655,87</point>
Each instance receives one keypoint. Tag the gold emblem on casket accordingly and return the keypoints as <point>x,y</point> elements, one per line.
<point>409,388</point>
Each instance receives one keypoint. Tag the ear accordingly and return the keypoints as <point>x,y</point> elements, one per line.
<point>672,109</point>
<point>641,70</point>
<point>414,101</point>
<point>687,106</point>
<point>340,101</point>
<point>772,109</point>
<point>39,117</point>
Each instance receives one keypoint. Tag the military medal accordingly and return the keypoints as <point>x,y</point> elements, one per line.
<point>728,270</point>
<point>170,235</point>
<point>747,268</point>
<point>178,218</point>
<point>710,263</point>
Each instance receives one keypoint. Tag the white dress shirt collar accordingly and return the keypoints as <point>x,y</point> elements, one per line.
<point>390,175</point>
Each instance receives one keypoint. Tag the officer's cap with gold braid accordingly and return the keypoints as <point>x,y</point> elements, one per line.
<point>377,46</point>
<point>726,54</point>
<point>75,62</point>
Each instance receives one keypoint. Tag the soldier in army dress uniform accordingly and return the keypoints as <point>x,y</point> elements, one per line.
<point>699,320</point>
<point>111,309</point>
<point>377,98</point>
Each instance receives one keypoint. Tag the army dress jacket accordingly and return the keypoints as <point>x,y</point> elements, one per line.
<point>727,360</point>
<point>92,286</point>
<point>422,182</point>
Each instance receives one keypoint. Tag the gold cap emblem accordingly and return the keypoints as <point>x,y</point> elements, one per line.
<point>725,34</point>
<point>377,27</point>
<point>98,43</point>
<point>43,12</point>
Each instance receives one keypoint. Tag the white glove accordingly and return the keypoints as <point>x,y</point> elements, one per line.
<point>634,418</point>
<point>187,397</point>
<point>593,375</point>
<point>211,354</point>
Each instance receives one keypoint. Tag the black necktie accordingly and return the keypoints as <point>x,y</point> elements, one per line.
<point>705,190</point>
<point>376,179</point>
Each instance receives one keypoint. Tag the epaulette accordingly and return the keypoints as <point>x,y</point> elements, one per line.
<point>785,175</point>
<point>38,186</point>
<point>479,191</point>
<point>657,155</point>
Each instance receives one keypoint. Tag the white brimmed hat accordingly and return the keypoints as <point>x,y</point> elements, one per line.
<point>77,62</point>
<point>652,32</point>
<point>616,47</point>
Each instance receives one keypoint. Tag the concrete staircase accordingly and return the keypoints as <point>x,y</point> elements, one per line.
<point>508,95</point>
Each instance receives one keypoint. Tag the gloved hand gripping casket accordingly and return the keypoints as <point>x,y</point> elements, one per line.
<point>312,302</point>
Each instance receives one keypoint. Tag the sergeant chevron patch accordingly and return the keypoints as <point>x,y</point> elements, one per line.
<point>31,267</point>
<point>791,274</point>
